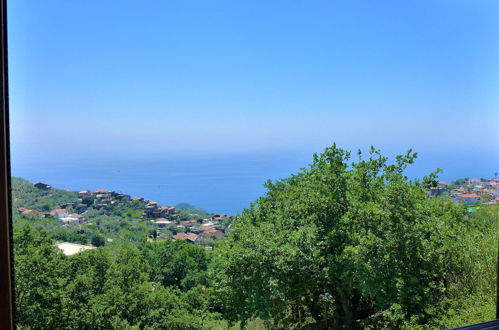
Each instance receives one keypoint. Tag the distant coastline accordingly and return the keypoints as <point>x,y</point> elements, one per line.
<point>217,183</point>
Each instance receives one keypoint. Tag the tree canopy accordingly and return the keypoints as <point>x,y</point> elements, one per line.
<point>344,244</point>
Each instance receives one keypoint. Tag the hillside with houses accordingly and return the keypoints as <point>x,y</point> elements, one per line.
<point>102,216</point>
<point>469,191</point>
<point>94,218</point>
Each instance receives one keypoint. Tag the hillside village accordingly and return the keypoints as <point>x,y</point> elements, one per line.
<point>82,211</point>
<point>167,222</point>
<point>469,191</point>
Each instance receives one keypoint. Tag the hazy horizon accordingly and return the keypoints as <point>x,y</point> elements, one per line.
<point>224,183</point>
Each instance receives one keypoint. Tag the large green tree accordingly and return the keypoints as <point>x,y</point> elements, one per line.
<point>340,244</point>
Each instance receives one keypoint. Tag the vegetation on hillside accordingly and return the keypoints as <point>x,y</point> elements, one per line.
<point>120,221</point>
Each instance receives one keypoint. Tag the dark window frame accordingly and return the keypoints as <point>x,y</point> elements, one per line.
<point>6,248</point>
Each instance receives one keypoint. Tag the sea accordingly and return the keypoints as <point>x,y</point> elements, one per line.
<point>219,183</point>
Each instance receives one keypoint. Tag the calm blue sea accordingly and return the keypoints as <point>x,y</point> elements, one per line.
<point>217,183</point>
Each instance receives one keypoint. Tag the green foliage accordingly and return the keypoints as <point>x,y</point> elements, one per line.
<point>176,263</point>
<point>98,240</point>
<point>27,196</point>
<point>87,200</point>
<point>189,207</point>
<point>458,183</point>
<point>188,212</point>
<point>106,288</point>
<point>39,280</point>
<point>348,245</point>
<point>69,235</point>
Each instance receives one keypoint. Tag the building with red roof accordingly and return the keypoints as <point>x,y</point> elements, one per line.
<point>468,199</point>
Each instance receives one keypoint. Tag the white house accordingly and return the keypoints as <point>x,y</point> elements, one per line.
<point>71,221</point>
<point>161,222</point>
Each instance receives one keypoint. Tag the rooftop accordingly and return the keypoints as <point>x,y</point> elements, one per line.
<point>469,196</point>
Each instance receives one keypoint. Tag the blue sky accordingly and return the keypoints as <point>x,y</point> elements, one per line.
<point>128,77</point>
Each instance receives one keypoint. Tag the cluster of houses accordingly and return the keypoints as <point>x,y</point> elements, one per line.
<point>68,219</point>
<point>153,210</point>
<point>195,231</point>
<point>86,198</point>
<point>98,199</point>
<point>35,213</point>
<point>470,192</point>
<point>166,218</point>
<point>101,198</point>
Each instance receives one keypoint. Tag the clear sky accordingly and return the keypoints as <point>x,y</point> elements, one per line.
<point>118,77</point>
